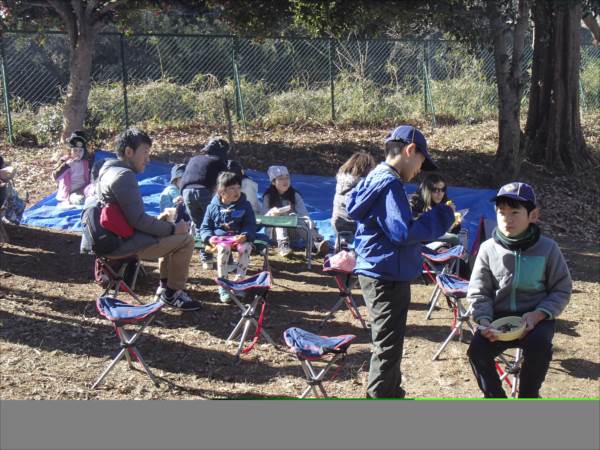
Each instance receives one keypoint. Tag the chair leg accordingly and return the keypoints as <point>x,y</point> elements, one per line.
<point>433,300</point>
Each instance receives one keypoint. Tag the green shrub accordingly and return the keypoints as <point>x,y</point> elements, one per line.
<point>299,105</point>
<point>590,85</point>
<point>468,98</point>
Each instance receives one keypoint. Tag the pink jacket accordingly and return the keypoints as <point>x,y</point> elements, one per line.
<point>63,177</point>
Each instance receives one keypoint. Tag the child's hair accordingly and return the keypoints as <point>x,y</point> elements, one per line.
<point>393,148</point>
<point>426,187</point>
<point>132,138</point>
<point>226,179</point>
<point>514,203</point>
<point>358,165</point>
<point>289,195</point>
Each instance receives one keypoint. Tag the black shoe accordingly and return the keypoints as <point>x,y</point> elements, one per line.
<point>180,300</point>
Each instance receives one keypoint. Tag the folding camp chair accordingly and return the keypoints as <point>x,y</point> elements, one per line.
<point>345,280</point>
<point>454,289</point>
<point>253,289</point>
<point>293,222</point>
<point>118,274</point>
<point>506,368</point>
<point>120,314</point>
<point>311,347</point>
<point>435,264</point>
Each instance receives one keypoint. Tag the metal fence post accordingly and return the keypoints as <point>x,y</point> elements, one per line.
<point>427,99</point>
<point>5,92</point>
<point>239,104</point>
<point>330,49</point>
<point>124,77</point>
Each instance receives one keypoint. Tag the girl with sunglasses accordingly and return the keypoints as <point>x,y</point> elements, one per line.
<point>431,192</point>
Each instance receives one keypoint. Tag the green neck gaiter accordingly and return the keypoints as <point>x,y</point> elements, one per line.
<point>521,242</point>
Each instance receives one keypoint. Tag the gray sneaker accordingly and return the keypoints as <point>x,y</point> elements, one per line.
<point>181,300</point>
<point>322,247</point>
<point>284,249</point>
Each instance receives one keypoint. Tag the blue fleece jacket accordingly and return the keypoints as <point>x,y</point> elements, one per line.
<point>388,240</point>
<point>228,220</point>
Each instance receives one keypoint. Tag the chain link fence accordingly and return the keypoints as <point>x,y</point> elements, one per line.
<point>179,80</point>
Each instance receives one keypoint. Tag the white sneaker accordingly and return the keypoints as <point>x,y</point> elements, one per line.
<point>284,249</point>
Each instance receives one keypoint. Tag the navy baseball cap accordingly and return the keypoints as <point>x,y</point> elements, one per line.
<point>408,135</point>
<point>518,191</point>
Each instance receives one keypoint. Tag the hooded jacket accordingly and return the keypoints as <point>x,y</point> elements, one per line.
<point>340,220</point>
<point>117,183</point>
<point>387,239</point>
<point>513,282</point>
<point>228,220</point>
<point>202,170</point>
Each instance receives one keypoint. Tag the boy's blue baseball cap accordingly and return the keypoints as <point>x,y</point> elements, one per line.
<point>177,171</point>
<point>409,134</point>
<point>518,191</point>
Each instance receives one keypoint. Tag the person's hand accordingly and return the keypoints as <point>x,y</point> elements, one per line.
<point>178,200</point>
<point>531,319</point>
<point>487,331</point>
<point>182,227</point>
<point>273,212</point>
<point>163,216</point>
<point>241,238</point>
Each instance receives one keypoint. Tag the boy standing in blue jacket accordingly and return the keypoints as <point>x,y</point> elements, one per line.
<point>388,249</point>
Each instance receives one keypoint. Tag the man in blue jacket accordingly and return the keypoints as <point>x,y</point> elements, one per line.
<point>388,249</point>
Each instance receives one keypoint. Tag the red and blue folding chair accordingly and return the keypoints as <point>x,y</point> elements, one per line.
<point>510,370</point>
<point>120,314</point>
<point>118,275</point>
<point>345,280</point>
<point>309,347</point>
<point>454,289</point>
<point>435,264</point>
<point>254,290</point>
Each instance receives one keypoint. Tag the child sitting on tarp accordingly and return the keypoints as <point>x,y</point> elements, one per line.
<point>281,199</point>
<point>72,172</point>
<point>11,206</point>
<point>229,214</point>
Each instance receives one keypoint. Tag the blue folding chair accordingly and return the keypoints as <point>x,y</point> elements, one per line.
<point>311,347</point>
<point>120,314</point>
<point>253,289</point>
<point>435,264</point>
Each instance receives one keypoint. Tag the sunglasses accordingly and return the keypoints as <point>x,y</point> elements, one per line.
<point>439,190</point>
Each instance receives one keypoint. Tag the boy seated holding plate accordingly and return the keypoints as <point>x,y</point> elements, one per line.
<point>518,272</point>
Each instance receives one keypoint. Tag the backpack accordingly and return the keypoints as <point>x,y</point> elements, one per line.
<point>103,241</point>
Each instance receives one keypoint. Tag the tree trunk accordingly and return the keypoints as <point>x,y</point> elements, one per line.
<point>80,77</point>
<point>553,135</point>
<point>508,79</point>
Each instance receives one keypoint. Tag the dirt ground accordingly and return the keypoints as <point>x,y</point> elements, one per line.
<point>53,343</point>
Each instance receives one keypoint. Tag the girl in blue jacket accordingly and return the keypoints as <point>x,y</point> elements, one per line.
<point>230,214</point>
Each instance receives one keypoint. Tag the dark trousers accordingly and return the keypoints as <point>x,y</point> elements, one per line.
<point>196,201</point>
<point>537,354</point>
<point>387,302</point>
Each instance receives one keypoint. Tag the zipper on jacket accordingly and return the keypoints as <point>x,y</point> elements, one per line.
<point>515,282</point>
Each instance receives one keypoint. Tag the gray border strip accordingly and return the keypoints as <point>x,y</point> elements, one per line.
<point>350,424</point>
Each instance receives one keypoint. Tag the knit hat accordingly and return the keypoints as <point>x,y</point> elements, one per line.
<point>277,171</point>
<point>177,171</point>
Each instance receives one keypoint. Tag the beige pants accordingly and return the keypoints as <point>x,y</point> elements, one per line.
<point>174,254</point>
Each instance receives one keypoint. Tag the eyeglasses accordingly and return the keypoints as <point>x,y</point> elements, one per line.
<point>439,190</point>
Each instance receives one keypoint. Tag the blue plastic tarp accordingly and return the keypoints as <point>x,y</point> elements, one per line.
<point>317,191</point>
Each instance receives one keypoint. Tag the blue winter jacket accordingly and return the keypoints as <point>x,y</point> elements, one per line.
<point>228,220</point>
<point>388,240</point>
